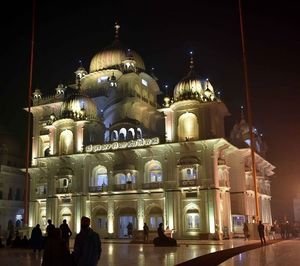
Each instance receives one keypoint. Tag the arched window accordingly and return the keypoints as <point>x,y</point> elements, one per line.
<point>120,178</point>
<point>66,142</point>
<point>192,219</point>
<point>122,135</point>
<point>188,172</point>
<point>155,217</point>
<point>114,135</point>
<point>188,127</point>
<point>153,171</point>
<point>139,133</point>
<point>47,152</point>
<point>131,134</point>
<point>99,177</point>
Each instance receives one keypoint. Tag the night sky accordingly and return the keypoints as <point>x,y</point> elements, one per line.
<point>163,35</point>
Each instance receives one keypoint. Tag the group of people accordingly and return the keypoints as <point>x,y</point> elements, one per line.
<point>87,245</point>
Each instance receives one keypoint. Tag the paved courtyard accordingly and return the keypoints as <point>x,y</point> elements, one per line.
<point>116,253</point>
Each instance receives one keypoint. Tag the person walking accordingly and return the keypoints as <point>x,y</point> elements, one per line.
<point>36,239</point>
<point>87,246</point>
<point>261,232</point>
<point>146,233</point>
<point>65,232</point>
<point>246,231</point>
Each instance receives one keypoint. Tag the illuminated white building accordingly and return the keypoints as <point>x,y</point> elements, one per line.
<point>11,183</point>
<point>108,151</point>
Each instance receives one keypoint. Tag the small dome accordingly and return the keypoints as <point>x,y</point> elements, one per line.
<point>79,107</point>
<point>192,87</point>
<point>113,56</point>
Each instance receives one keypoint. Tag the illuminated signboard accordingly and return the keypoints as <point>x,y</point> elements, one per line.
<point>137,143</point>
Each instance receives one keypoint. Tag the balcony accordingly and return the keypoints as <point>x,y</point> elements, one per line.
<point>98,189</point>
<point>152,185</point>
<point>124,187</point>
<point>188,183</point>
<point>62,190</point>
<point>206,183</point>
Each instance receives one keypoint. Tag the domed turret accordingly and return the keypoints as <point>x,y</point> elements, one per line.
<point>192,87</point>
<point>114,56</point>
<point>78,106</point>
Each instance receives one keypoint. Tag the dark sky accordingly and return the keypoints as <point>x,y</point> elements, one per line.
<point>163,34</point>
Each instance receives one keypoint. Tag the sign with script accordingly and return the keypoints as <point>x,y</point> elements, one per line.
<point>137,143</point>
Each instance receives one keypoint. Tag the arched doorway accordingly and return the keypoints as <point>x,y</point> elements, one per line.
<point>99,221</point>
<point>126,216</point>
<point>155,217</point>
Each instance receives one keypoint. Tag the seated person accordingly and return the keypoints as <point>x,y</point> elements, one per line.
<point>162,239</point>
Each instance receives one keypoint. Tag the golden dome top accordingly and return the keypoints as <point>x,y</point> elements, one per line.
<point>113,56</point>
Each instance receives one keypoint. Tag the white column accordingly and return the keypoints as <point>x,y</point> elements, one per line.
<point>110,216</point>
<point>140,213</point>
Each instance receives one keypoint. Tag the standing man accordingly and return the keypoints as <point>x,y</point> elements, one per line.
<point>65,232</point>
<point>87,247</point>
<point>50,228</point>
<point>261,232</point>
<point>36,238</point>
<point>146,233</point>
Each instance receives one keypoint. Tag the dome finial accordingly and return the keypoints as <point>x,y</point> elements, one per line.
<point>78,83</point>
<point>191,60</point>
<point>117,27</point>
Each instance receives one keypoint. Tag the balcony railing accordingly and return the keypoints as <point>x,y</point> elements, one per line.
<point>61,190</point>
<point>124,187</point>
<point>98,189</point>
<point>152,185</point>
<point>188,182</point>
<point>206,183</point>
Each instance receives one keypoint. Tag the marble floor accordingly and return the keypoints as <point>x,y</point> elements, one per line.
<point>284,253</point>
<point>116,253</point>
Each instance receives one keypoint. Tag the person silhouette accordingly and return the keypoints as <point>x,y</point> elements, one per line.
<point>36,239</point>
<point>261,232</point>
<point>50,228</point>
<point>146,233</point>
<point>246,231</point>
<point>87,246</point>
<point>65,232</point>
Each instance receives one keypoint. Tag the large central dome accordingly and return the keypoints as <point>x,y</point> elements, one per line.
<point>113,56</point>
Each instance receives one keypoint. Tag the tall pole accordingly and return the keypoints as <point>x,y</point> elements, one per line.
<point>249,113</point>
<point>26,200</point>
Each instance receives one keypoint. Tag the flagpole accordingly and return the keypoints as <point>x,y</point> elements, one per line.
<point>26,200</point>
<point>249,113</point>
